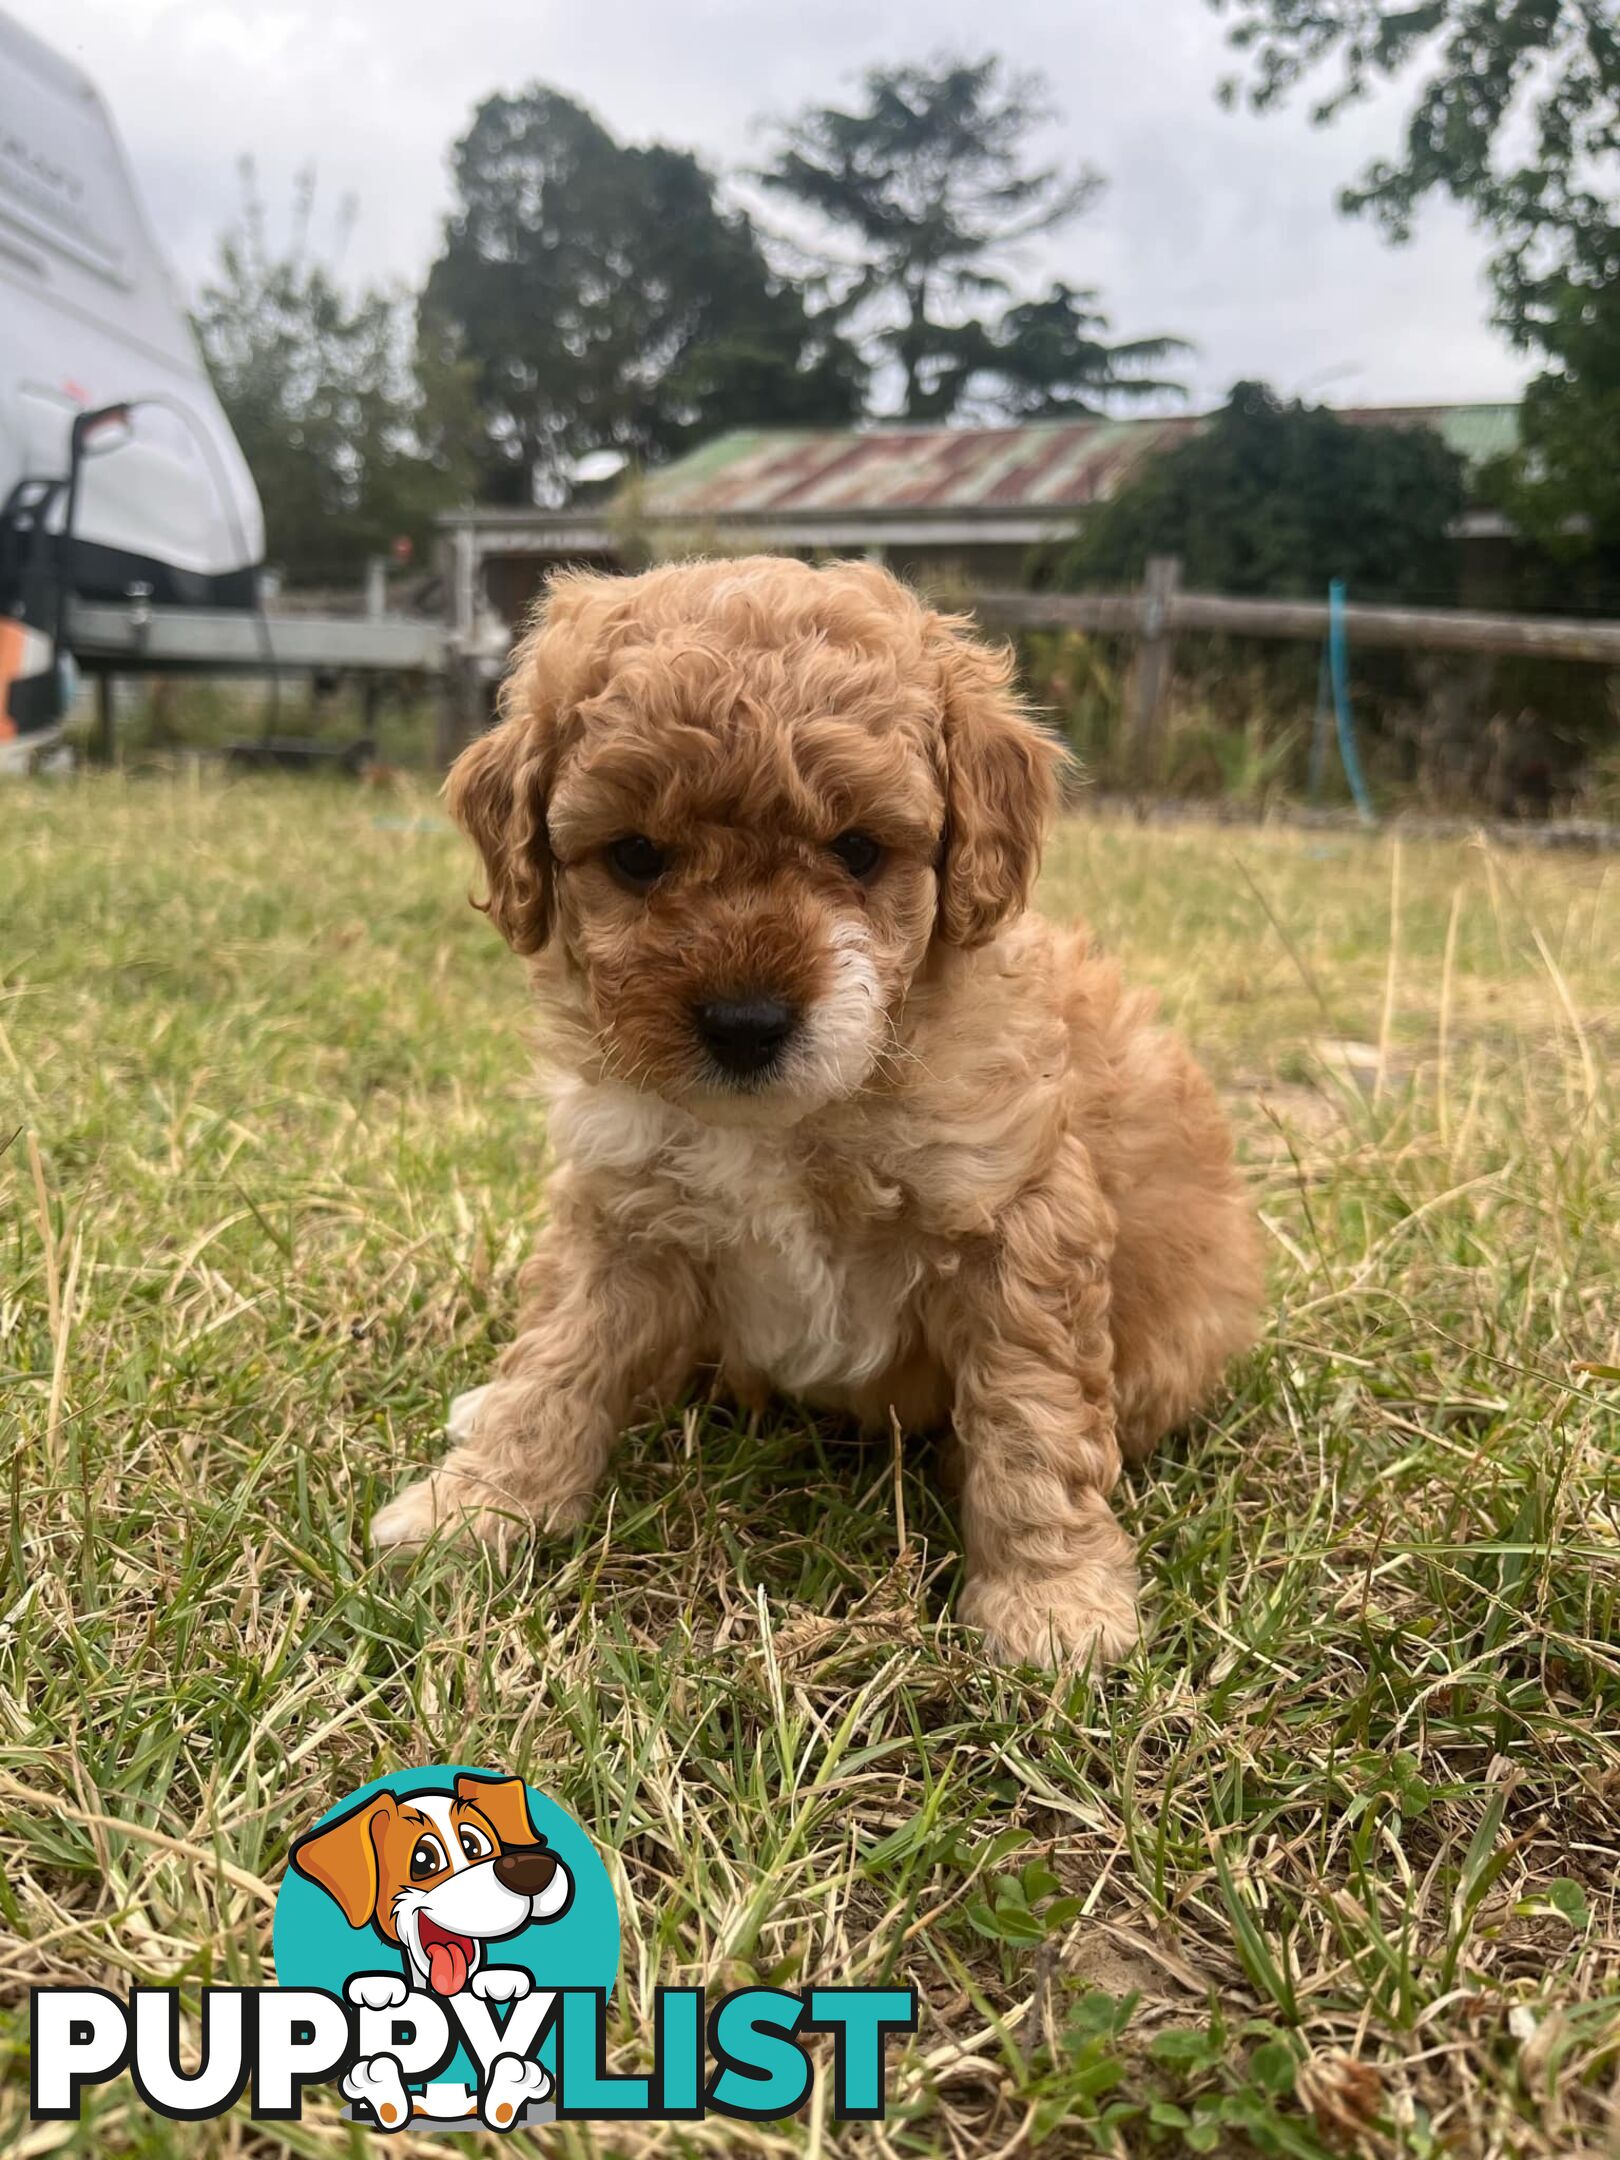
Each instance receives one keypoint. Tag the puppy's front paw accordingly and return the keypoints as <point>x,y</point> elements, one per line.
<point>463,1412</point>
<point>501,1983</point>
<point>1086,1617</point>
<point>453,1506</point>
<point>464,1501</point>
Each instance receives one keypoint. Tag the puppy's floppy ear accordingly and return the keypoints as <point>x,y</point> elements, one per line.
<point>497,793</point>
<point>1000,773</point>
<point>342,1857</point>
<point>504,1803</point>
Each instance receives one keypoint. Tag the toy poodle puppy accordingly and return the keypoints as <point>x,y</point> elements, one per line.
<point>831,1110</point>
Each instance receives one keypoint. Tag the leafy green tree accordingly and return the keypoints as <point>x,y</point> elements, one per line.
<point>1517,117</point>
<point>1563,488</point>
<point>605,300</point>
<point>925,188</point>
<point>1050,359</point>
<point>355,440</point>
<point>1278,499</point>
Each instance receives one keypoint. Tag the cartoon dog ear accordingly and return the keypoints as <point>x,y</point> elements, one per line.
<point>505,1804</point>
<point>497,793</point>
<point>342,1857</point>
<point>1000,773</point>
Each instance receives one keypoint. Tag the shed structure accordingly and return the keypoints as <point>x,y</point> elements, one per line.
<point>956,505</point>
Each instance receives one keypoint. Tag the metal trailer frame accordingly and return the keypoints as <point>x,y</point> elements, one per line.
<point>110,640</point>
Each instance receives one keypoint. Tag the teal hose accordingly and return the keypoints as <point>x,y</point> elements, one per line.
<point>1339,667</point>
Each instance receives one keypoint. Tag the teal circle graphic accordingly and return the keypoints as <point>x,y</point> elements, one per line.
<point>315,1947</point>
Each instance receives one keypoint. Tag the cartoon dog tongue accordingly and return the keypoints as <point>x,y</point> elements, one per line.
<point>447,1964</point>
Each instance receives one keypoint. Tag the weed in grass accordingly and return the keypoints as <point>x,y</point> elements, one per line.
<point>1330,1866</point>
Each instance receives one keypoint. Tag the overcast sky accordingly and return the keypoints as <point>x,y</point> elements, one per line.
<point>1218,225</point>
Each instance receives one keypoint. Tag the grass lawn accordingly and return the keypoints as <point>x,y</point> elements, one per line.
<point>1330,1866</point>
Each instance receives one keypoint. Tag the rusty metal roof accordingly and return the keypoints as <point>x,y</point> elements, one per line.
<point>1045,465</point>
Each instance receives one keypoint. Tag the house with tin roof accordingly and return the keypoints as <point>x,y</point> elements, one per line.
<point>967,504</point>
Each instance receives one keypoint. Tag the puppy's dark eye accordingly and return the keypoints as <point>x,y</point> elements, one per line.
<point>427,1858</point>
<point>859,853</point>
<point>637,861</point>
<point>474,1843</point>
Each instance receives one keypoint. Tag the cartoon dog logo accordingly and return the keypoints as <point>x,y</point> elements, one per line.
<point>439,1876</point>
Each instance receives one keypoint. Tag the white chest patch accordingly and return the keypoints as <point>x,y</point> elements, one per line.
<point>799,1298</point>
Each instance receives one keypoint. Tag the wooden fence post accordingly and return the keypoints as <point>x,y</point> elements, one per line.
<point>104,743</point>
<point>457,720</point>
<point>1155,665</point>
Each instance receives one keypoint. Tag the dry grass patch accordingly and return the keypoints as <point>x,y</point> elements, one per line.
<point>1330,1867</point>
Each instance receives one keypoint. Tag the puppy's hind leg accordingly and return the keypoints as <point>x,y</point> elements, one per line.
<point>531,1445</point>
<point>1187,1273</point>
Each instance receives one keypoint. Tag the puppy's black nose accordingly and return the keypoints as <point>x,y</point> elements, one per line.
<point>744,1034</point>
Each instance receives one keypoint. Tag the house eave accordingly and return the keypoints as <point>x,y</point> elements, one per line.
<point>522,532</point>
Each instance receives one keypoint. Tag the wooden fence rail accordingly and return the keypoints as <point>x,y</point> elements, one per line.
<point>1161,610</point>
<point>1541,637</point>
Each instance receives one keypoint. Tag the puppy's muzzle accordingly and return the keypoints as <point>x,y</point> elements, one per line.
<point>525,1869</point>
<point>745,1035</point>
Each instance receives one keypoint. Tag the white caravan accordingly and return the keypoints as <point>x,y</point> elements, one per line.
<point>119,474</point>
